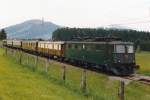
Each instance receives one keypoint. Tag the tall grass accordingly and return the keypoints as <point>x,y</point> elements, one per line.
<point>143,60</point>
<point>19,83</point>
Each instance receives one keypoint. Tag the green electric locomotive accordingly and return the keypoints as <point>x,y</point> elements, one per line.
<point>115,57</point>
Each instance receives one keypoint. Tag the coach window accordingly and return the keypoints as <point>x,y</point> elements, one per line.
<point>45,45</point>
<point>59,46</point>
<point>120,49</point>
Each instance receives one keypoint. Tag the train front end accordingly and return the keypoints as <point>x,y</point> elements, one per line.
<point>124,59</point>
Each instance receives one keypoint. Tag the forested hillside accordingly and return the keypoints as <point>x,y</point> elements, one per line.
<point>138,37</point>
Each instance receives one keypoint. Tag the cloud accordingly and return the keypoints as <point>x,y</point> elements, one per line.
<point>74,13</point>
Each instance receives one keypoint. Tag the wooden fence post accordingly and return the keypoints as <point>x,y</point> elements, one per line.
<point>6,51</point>
<point>46,64</point>
<point>36,62</point>
<point>13,53</point>
<point>27,59</point>
<point>20,57</point>
<point>63,72</point>
<point>121,90</point>
<point>83,81</point>
<point>16,55</point>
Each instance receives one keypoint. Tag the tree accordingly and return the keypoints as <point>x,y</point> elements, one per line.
<point>3,34</point>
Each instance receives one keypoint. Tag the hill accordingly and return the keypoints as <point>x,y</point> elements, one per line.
<point>32,29</point>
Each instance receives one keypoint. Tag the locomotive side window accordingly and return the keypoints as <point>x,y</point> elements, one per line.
<point>120,49</point>
<point>72,46</point>
<point>79,46</point>
<point>130,49</point>
<point>89,47</point>
<point>76,46</point>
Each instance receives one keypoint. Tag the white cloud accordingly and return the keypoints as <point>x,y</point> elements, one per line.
<point>74,13</point>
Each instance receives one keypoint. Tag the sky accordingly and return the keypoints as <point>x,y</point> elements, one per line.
<point>133,14</point>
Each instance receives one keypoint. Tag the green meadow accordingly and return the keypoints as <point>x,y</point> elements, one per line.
<point>19,83</point>
<point>29,82</point>
<point>143,60</point>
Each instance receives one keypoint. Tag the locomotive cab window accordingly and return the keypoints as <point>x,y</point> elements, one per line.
<point>130,49</point>
<point>120,49</point>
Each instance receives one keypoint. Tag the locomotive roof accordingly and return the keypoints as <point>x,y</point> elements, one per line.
<point>112,42</point>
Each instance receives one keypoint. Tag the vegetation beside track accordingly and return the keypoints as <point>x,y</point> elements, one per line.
<point>18,82</point>
<point>143,59</point>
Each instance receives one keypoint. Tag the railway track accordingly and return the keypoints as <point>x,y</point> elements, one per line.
<point>140,78</point>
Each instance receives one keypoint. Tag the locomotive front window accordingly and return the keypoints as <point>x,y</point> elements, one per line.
<point>120,49</point>
<point>130,49</point>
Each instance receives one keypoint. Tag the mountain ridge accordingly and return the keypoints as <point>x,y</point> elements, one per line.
<point>31,29</point>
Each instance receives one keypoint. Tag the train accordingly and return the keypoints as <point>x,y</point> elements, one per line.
<point>111,56</point>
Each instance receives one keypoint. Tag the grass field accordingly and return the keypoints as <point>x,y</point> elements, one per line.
<point>20,82</point>
<point>143,59</point>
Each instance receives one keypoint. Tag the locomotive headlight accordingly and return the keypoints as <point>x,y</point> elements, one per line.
<point>83,46</point>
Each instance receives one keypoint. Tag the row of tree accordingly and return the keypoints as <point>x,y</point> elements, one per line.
<point>3,34</point>
<point>140,38</point>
